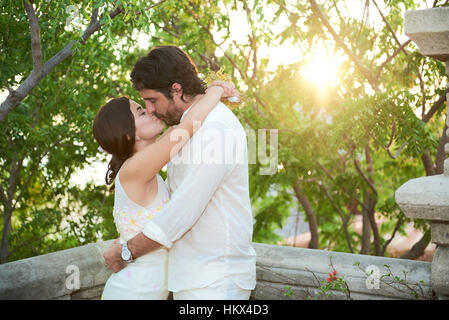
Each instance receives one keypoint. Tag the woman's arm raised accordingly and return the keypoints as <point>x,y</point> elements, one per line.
<point>145,164</point>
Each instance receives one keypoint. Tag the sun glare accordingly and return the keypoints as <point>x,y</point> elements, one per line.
<point>321,70</point>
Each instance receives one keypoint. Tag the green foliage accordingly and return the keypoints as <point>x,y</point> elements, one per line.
<point>323,128</point>
<point>48,137</point>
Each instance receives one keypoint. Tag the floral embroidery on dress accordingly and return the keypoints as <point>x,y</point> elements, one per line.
<point>130,222</point>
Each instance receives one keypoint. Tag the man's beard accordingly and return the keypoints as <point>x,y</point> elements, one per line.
<point>173,116</point>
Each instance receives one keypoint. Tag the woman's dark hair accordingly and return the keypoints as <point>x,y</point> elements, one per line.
<point>115,130</point>
<point>162,67</point>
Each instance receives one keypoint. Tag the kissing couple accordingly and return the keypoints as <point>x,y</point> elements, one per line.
<point>192,233</point>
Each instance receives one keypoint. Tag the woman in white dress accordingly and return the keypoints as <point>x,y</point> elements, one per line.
<point>139,151</point>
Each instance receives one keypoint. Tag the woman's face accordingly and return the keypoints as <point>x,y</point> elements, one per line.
<point>147,125</point>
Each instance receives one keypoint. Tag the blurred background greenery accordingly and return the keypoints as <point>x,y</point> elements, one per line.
<point>358,111</point>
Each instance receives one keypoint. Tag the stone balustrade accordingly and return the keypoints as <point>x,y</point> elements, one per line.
<point>428,197</point>
<point>428,28</point>
<point>282,273</point>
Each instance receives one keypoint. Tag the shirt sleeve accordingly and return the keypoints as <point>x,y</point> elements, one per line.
<point>201,180</point>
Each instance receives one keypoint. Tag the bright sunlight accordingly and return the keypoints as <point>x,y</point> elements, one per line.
<point>322,69</point>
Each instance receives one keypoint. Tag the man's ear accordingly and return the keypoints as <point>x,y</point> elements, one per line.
<point>176,89</point>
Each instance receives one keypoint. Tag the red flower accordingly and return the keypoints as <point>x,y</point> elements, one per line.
<point>335,277</point>
<point>335,272</point>
<point>329,279</point>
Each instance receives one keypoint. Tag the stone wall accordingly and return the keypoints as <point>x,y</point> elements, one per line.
<point>282,273</point>
<point>50,276</point>
<point>304,270</point>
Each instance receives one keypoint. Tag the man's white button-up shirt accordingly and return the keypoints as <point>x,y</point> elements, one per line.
<point>208,223</point>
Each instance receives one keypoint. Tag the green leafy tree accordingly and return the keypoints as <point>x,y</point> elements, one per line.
<point>344,146</point>
<point>59,63</point>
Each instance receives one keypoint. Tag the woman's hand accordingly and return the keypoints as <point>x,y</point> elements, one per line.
<point>228,88</point>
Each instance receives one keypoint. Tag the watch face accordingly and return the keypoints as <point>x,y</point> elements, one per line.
<point>126,254</point>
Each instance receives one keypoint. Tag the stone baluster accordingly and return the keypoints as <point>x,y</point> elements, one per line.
<point>428,197</point>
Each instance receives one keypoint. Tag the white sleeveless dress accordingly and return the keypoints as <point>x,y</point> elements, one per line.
<point>145,277</point>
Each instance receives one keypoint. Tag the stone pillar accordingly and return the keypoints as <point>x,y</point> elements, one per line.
<point>428,197</point>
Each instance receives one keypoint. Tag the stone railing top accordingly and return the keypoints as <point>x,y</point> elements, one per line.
<point>49,276</point>
<point>429,29</point>
<point>425,198</point>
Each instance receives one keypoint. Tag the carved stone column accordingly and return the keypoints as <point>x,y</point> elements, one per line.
<point>428,197</point>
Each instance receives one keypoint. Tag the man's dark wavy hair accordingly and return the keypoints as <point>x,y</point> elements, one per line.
<point>162,67</point>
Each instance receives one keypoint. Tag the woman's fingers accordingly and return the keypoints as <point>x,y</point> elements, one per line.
<point>228,88</point>
<point>222,83</point>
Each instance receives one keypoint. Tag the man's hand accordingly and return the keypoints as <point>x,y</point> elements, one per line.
<point>113,257</point>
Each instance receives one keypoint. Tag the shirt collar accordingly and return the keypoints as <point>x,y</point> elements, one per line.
<point>185,112</point>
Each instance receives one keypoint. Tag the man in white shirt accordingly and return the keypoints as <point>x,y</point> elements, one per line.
<point>207,224</point>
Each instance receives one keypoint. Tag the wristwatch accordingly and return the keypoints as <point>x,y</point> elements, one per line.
<point>126,253</point>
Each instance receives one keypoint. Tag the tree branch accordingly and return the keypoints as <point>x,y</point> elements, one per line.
<point>428,163</point>
<point>25,186</point>
<point>342,216</point>
<point>365,71</point>
<point>418,248</point>
<point>210,62</point>
<point>401,48</point>
<point>343,189</point>
<point>313,226</point>
<point>436,106</point>
<point>395,53</point>
<point>244,76</point>
<point>396,228</point>
<point>243,54</point>
<point>3,196</point>
<point>356,164</point>
<point>441,154</point>
<point>387,147</point>
<point>173,33</point>
<point>389,27</point>
<point>36,50</point>
<point>30,241</point>
<point>95,24</point>
<point>252,39</point>
<point>154,5</point>
<point>13,176</point>
<point>14,98</point>
<point>393,131</point>
<point>363,17</point>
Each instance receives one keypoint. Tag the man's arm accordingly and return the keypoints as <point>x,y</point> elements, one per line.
<point>190,199</point>
<point>188,202</point>
<point>141,245</point>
